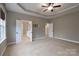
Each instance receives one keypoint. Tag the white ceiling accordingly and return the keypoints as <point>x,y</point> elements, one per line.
<point>35,9</point>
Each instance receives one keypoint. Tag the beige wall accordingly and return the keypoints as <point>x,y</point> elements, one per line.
<point>4,43</point>
<point>67,26</point>
<point>11,25</point>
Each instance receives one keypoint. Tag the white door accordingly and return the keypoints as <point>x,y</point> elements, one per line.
<point>29,32</point>
<point>18,31</point>
<point>49,30</point>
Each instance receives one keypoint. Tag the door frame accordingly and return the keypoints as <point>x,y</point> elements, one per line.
<point>22,29</point>
<point>47,34</point>
<point>17,41</point>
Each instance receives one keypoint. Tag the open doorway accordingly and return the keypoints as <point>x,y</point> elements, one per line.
<point>23,30</point>
<point>49,30</point>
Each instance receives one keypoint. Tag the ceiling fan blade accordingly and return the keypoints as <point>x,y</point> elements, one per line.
<point>44,6</point>
<point>45,10</point>
<point>57,6</point>
<point>49,4</point>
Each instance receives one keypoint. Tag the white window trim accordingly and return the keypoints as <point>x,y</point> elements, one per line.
<point>1,40</point>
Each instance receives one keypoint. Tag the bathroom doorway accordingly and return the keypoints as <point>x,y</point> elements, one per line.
<point>23,30</point>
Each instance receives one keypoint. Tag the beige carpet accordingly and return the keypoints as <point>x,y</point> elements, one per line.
<point>43,47</point>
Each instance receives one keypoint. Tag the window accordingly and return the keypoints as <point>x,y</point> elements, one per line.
<point>2,25</point>
<point>2,29</point>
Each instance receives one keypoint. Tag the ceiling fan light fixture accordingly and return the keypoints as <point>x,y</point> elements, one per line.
<point>50,7</point>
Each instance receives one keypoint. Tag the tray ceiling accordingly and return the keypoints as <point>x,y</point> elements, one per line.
<point>35,9</point>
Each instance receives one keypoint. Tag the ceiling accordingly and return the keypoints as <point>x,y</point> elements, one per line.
<point>35,9</point>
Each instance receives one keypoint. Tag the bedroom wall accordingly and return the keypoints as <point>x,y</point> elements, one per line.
<point>67,26</point>
<point>3,44</point>
<point>11,25</point>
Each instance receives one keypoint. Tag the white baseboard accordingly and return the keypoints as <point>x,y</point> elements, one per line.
<point>3,50</point>
<point>11,43</point>
<point>6,47</point>
<point>67,40</point>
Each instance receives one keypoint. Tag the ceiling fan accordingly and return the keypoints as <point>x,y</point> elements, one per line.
<point>50,6</point>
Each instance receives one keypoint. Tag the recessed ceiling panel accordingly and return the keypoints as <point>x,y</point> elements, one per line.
<point>36,8</point>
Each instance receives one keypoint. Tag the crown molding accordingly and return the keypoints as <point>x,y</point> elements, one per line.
<point>45,16</point>
<point>66,9</point>
<point>33,12</point>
